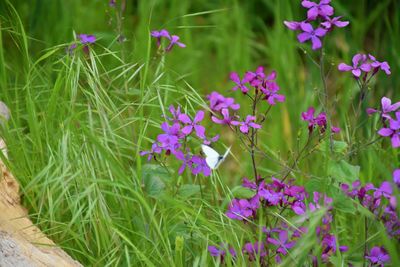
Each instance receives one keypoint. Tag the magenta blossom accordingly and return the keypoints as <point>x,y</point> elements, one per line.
<point>255,78</point>
<point>87,39</point>
<point>384,66</point>
<point>360,65</point>
<point>387,108</point>
<point>283,244</point>
<point>254,250</point>
<point>174,40</point>
<point>323,9</point>
<point>186,161</point>
<point>200,166</point>
<point>227,119</point>
<point>239,209</point>
<point>378,256</point>
<point>247,124</point>
<point>330,23</point>
<point>384,190</point>
<point>396,177</point>
<point>219,102</point>
<point>309,33</point>
<point>292,25</point>
<point>155,149</point>
<point>170,139</point>
<point>393,131</point>
<point>240,84</point>
<point>317,121</point>
<point>190,125</point>
<point>160,34</point>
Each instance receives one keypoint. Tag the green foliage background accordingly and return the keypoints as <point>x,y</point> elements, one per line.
<point>78,123</point>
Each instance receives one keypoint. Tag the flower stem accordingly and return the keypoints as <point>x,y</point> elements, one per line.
<point>325,102</point>
<point>253,135</point>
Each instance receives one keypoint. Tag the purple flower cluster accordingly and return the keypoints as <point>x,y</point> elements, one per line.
<point>261,83</point>
<point>317,121</point>
<point>380,201</point>
<point>279,240</point>
<point>226,107</point>
<point>164,34</point>
<point>321,15</point>
<point>365,67</point>
<point>176,131</point>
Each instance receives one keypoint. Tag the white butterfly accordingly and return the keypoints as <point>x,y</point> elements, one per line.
<point>213,158</point>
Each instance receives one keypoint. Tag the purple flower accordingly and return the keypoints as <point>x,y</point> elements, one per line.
<point>159,34</point>
<point>226,118</point>
<point>248,123</point>
<point>186,160</point>
<point>282,242</point>
<point>269,195</point>
<point>209,141</point>
<point>249,184</point>
<point>299,207</point>
<point>169,140</point>
<point>174,40</point>
<point>239,209</point>
<point>313,120</point>
<point>384,190</point>
<point>330,23</point>
<point>396,177</point>
<point>254,250</point>
<point>393,131</point>
<point>255,78</point>
<point>219,102</point>
<point>200,166</point>
<point>87,39</point>
<point>360,65</point>
<point>240,84</point>
<point>310,34</point>
<point>215,252</point>
<point>378,256</point>
<point>190,125</point>
<point>175,112</point>
<point>384,66</point>
<point>329,246</point>
<point>387,107</point>
<point>323,9</point>
<point>155,149</point>
<point>112,3</point>
<point>292,25</point>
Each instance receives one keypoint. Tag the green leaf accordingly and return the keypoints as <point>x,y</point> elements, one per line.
<point>341,201</point>
<point>242,192</point>
<point>343,171</point>
<point>316,185</point>
<point>338,146</point>
<point>153,178</point>
<point>188,190</point>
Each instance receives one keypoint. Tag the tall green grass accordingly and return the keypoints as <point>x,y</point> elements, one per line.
<point>78,122</point>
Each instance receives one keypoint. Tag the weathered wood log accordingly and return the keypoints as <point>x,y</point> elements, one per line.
<point>21,242</point>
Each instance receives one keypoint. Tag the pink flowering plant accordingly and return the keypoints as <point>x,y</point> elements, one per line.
<point>279,212</point>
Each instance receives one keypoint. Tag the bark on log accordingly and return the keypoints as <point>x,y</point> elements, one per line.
<point>21,242</point>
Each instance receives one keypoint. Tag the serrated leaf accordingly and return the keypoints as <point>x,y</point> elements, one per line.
<point>343,171</point>
<point>315,185</point>
<point>153,177</point>
<point>341,201</point>
<point>188,190</point>
<point>338,146</point>
<point>242,192</point>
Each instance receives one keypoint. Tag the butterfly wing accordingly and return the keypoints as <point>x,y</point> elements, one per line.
<point>222,158</point>
<point>212,156</point>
